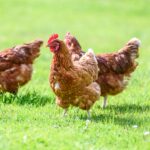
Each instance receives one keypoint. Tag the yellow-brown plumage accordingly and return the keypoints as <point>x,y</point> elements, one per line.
<point>16,65</point>
<point>73,82</point>
<point>115,68</point>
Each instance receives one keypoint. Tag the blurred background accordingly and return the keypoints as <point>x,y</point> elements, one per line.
<point>104,25</point>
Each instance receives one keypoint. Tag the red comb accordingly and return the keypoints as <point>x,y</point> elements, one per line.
<point>52,37</point>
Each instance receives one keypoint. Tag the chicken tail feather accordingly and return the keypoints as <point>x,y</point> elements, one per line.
<point>126,57</point>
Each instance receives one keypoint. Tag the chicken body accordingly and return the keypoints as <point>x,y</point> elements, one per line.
<point>115,68</point>
<point>73,82</point>
<point>16,65</point>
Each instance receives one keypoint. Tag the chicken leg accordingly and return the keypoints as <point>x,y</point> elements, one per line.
<point>65,112</point>
<point>88,115</point>
<point>105,102</point>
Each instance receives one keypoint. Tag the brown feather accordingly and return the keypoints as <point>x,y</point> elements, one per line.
<point>115,68</point>
<point>16,65</point>
<point>72,82</point>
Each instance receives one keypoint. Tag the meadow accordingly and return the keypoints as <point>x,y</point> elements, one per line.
<point>32,120</point>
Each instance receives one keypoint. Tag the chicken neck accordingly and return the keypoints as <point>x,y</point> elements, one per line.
<point>63,60</point>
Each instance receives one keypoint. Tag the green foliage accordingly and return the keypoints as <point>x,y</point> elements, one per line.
<point>31,119</point>
<point>32,98</point>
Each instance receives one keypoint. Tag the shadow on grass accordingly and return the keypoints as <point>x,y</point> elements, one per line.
<point>29,98</point>
<point>128,108</point>
<point>121,120</point>
<point>124,115</point>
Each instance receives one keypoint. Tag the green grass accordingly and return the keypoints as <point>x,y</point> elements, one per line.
<point>31,120</point>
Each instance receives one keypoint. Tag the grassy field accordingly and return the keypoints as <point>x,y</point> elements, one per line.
<point>31,120</point>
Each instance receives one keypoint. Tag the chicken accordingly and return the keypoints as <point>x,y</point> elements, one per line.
<point>73,82</point>
<point>115,68</point>
<point>16,65</point>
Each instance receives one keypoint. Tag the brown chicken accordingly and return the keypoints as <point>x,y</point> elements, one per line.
<point>115,68</point>
<point>16,65</point>
<point>73,82</point>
